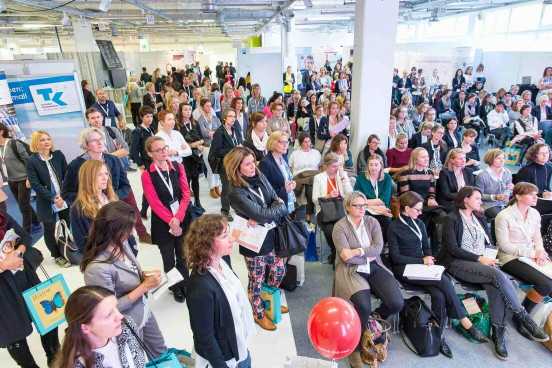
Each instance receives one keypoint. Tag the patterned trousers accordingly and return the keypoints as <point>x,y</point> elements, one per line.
<point>257,267</point>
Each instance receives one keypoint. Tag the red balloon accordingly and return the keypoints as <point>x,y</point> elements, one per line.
<point>334,328</point>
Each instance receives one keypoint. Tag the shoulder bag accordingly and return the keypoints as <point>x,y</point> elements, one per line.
<point>420,329</point>
<point>66,244</point>
<point>331,210</point>
<point>292,238</point>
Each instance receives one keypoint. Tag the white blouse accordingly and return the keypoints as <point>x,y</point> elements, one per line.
<point>176,142</point>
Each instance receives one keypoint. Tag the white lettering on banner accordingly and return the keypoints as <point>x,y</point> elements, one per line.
<point>55,98</point>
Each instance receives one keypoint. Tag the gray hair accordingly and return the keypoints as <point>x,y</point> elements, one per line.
<point>85,134</point>
<point>349,198</point>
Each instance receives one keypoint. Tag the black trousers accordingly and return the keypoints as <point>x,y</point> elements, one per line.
<point>172,254</point>
<point>50,236</point>
<point>145,205</point>
<point>384,222</point>
<point>529,275</point>
<point>224,201</point>
<point>327,229</point>
<point>385,287</point>
<point>22,195</point>
<point>444,301</point>
<point>135,112</point>
<point>433,220</point>
<point>20,352</point>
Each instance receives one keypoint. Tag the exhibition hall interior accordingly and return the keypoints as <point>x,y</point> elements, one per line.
<point>275,183</point>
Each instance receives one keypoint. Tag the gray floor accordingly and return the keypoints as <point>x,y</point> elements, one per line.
<point>318,285</point>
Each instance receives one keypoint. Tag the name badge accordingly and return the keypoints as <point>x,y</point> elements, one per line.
<point>365,268</point>
<point>174,207</point>
<point>107,121</point>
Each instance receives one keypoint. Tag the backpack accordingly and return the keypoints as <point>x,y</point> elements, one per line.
<point>13,146</point>
<point>420,329</point>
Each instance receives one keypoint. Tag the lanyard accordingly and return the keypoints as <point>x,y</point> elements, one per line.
<point>375,187</point>
<point>106,110</point>
<point>259,195</point>
<point>168,183</point>
<point>415,230</point>
<point>477,226</point>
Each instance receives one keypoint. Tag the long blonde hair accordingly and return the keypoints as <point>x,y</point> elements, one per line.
<point>414,157</point>
<point>87,199</point>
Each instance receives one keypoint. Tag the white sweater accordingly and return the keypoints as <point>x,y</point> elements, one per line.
<point>300,161</point>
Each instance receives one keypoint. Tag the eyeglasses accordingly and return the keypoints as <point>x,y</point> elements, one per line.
<point>359,206</point>
<point>159,150</point>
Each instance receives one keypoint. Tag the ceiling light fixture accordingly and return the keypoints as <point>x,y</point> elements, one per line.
<point>105,5</point>
<point>65,21</point>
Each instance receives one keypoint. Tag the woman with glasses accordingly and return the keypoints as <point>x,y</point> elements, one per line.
<point>166,188</point>
<point>226,137</point>
<point>409,244</point>
<point>359,270</point>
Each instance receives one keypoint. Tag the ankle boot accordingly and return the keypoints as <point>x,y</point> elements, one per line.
<point>528,328</point>
<point>499,341</point>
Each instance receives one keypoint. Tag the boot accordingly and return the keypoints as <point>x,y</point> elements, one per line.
<point>355,361</point>
<point>445,349</point>
<point>477,335</point>
<point>528,328</point>
<point>497,336</point>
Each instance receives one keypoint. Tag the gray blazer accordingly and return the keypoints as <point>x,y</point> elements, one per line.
<point>118,277</point>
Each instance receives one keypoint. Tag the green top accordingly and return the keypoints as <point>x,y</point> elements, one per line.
<point>385,188</point>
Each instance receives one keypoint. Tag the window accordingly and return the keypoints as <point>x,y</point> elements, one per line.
<point>547,15</point>
<point>495,21</point>
<point>525,17</point>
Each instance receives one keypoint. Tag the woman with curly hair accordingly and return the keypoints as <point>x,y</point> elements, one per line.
<point>220,314</point>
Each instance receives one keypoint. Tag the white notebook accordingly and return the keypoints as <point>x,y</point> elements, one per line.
<point>423,272</point>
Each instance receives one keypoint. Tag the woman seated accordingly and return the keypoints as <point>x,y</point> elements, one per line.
<point>452,137</point>
<point>417,177</point>
<point>97,334</point>
<point>526,129</point>
<point>304,163</point>
<point>398,156</point>
<point>377,186</point>
<point>470,148</point>
<point>409,244</point>
<point>110,263</point>
<point>331,183</point>
<point>371,148</point>
<point>538,171</point>
<point>466,256</point>
<point>422,136</point>
<point>359,271</point>
<point>495,183</point>
<point>436,148</point>
<point>518,234</point>
<point>254,199</point>
<point>220,314</point>
<point>340,146</point>
<point>454,176</point>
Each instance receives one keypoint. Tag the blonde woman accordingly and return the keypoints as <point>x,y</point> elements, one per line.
<point>95,191</point>
<point>453,177</point>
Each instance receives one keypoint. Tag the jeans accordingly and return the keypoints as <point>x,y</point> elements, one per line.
<point>246,363</point>
<point>212,178</point>
<point>22,195</point>
<point>500,290</point>
<point>19,350</point>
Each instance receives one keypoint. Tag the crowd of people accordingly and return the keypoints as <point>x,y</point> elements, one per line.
<point>423,196</point>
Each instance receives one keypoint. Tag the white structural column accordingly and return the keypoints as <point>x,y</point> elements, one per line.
<point>288,45</point>
<point>374,47</point>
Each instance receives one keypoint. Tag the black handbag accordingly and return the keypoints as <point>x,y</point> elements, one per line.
<point>292,237</point>
<point>66,244</point>
<point>34,257</point>
<point>331,210</point>
<point>420,329</point>
<point>289,282</point>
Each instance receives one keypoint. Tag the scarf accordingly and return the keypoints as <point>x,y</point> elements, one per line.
<point>260,144</point>
<point>253,181</point>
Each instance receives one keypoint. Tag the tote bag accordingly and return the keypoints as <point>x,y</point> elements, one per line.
<point>331,210</point>
<point>66,244</point>
<point>292,238</point>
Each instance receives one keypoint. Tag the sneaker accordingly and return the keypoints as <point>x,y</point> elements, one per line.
<point>62,262</point>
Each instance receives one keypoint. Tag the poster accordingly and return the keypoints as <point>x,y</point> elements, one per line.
<point>8,116</point>
<point>53,104</point>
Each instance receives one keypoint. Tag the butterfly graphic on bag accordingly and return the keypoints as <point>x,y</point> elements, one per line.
<point>50,306</point>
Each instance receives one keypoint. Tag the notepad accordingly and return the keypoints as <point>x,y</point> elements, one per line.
<point>423,272</point>
<point>250,237</point>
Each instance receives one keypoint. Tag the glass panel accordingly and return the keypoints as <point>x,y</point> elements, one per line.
<point>547,16</point>
<point>525,17</point>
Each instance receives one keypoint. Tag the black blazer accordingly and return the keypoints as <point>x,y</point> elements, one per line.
<point>269,167</point>
<point>138,151</point>
<point>40,180</point>
<point>447,186</point>
<point>323,131</point>
<point>415,141</point>
<point>537,113</point>
<point>448,140</point>
<point>221,144</point>
<point>457,83</point>
<point>404,244</point>
<point>442,152</point>
<point>459,109</point>
<point>452,240</point>
<point>211,320</point>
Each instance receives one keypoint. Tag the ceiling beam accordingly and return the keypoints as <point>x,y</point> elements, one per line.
<point>140,4</point>
<point>278,11</point>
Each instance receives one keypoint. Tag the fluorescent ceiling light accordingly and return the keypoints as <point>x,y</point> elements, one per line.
<point>105,5</point>
<point>36,26</point>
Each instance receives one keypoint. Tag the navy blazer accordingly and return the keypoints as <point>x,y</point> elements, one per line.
<point>537,113</point>
<point>448,140</point>
<point>40,180</point>
<point>447,186</point>
<point>119,179</point>
<point>269,167</point>
<point>222,144</point>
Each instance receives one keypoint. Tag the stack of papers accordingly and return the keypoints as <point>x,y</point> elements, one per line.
<point>423,272</point>
<point>250,237</point>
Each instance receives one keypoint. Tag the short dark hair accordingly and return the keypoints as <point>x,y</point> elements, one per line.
<point>500,103</point>
<point>465,192</point>
<point>302,137</point>
<point>409,199</point>
<point>145,110</point>
<point>91,110</point>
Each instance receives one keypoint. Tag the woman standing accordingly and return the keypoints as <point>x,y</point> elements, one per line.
<point>253,198</point>
<point>166,188</point>
<point>97,334</point>
<point>95,191</point>
<point>46,169</point>
<point>220,313</point>
<point>192,135</point>
<point>409,244</point>
<point>16,276</point>
<point>110,263</point>
<point>458,80</point>
<point>226,137</point>
<point>242,118</point>
<point>495,183</point>
<point>359,270</point>
<point>13,159</point>
<point>134,99</point>
<point>463,254</point>
<point>257,137</point>
<point>208,124</point>
<point>178,147</point>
